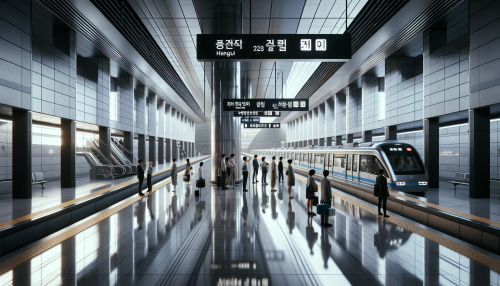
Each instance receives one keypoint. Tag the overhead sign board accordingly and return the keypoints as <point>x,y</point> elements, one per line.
<point>250,120</point>
<point>266,104</point>
<point>273,47</point>
<point>262,125</point>
<point>257,113</point>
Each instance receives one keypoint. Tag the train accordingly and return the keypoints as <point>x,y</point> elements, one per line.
<point>360,163</point>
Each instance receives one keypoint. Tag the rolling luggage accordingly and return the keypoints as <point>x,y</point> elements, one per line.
<point>200,183</point>
<point>322,209</point>
<point>219,180</point>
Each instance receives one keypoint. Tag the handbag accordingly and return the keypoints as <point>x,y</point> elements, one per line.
<point>375,190</point>
<point>315,188</point>
<point>287,172</point>
<point>185,178</point>
<point>200,183</point>
<point>315,201</point>
<point>331,212</point>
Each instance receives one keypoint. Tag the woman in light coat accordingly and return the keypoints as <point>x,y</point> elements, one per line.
<point>290,178</point>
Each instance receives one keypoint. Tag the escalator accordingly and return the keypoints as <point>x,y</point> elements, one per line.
<point>118,151</point>
<point>119,170</point>
<point>98,170</point>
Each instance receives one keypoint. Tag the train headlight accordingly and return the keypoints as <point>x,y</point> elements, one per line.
<point>422,183</point>
<point>400,183</point>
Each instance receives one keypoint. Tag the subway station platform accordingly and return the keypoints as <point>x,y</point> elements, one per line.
<point>259,237</point>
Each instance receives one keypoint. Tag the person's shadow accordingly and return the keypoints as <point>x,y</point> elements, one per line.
<point>326,247</point>
<point>151,204</point>
<point>139,214</point>
<point>290,219</point>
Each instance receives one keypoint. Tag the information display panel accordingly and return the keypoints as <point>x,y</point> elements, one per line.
<point>274,47</point>
<point>257,113</point>
<point>266,104</point>
<point>250,120</point>
<point>262,125</point>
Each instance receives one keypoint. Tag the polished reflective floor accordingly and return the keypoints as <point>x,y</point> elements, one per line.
<point>259,237</point>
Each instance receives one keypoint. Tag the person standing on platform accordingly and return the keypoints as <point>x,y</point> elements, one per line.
<point>291,178</point>
<point>173,173</point>
<point>187,172</point>
<point>383,192</point>
<point>150,174</point>
<point>255,169</point>
<point>326,195</point>
<point>273,174</point>
<point>140,176</point>
<point>244,170</point>
<point>228,171</point>
<point>311,184</point>
<point>223,171</point>
<point>200,171</point>
<point>232,164</point>
<point>281,178</point>
<point>263,166</point>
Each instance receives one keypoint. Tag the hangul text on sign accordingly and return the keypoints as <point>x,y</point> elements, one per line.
<point>282,45</point>
<point>230,103</point>
<point>238,43</point>
<point>220,44</point>
<point>270,45</point>
<point>229,44</point>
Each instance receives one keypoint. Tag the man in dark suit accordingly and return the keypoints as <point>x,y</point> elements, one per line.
<point>255,169</point>
<point>281,178</point>
<point>383,192</point>
<point>140,176</point>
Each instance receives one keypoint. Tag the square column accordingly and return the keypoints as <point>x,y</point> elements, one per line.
<point>161,148</point>
<point>192,150</point>
<point>168,150</point>
<point>329,141</point>
<point>479,153</point>
<point>174,149</point>
<point>367,136</point>
<point>68,153</point>
<point>338,140</point>
<point>431,150</point>
<point>141,147</point>
<point>128,143</point>
<point>391,132</point>
<point>152,149</point>
<point>104,141</point>
<point>21,153</point>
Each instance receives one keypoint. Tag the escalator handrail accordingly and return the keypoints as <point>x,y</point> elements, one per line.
<point>96,147</point>
<point>125,161</point>
<point>125,149</point>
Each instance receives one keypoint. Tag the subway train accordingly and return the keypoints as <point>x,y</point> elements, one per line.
<point>403,167</point>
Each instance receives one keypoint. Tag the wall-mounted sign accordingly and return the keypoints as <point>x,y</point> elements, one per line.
<point>250,120</point>
<point>274,47</point>
<point>179,145</point>
<point>257,113</point>
<point>266,104</point>
<point>262,125</point>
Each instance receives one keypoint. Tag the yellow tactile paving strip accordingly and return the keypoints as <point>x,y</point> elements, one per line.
<point>76,228</point>
<point>466,251</point>
<point>81,199</point>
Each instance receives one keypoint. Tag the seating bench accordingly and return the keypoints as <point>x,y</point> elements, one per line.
<point>460,179</point>
<point>37,178</point>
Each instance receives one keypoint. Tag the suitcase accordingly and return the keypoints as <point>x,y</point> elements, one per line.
<point>196,193</point>
<point>315,201</point>
<point>219,181</point>
<point>322,209</point>
<point>200,183</point>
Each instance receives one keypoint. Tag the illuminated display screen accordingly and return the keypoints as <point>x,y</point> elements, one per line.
<point>262,125</point>
<point>257,113</point>
<point>274,47</point>
<point>266,104</point>
<point>250,120</point>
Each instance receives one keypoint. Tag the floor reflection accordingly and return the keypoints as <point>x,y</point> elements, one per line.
<point>258,237</point>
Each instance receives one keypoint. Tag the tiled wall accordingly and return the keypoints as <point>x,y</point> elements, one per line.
<point>5,150</point>
<point>151,114</point>
<point>140,110</point>
<point>495,150</point>
<point>329,116</point>
<point>15,53</point>
<point>203,138</point>
<point>340,114</point>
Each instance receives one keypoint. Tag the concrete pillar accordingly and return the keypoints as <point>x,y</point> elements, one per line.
<point>141,146</point>
<point>350,138</point>
<point>68,153</point>
<point>168,150</point>
<point>367,136</point>
<point>479,152</point>
<point>329,141</point>
<point>152,149</point>
<point>174,149</point>
<point>338,140</point>
<point>104,141</point>
<point>193,152</point>
<point>128,143</point>
<point>391,132</point>
<point>21,153</point>
<point>161,148</point>
<point>431,150</point>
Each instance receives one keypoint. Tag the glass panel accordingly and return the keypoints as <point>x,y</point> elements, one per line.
<point>355,165</point>
<point>349,158</point>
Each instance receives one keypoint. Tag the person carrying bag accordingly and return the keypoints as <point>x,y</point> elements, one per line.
<point>200,183</point>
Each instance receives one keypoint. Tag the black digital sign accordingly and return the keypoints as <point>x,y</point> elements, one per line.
<point>262,125</point>
<point>273,47</point>
<point>266,104</point>
<point>244,113</point>
<point>250,120</point>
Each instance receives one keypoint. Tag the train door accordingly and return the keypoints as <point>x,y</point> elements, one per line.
<point>319,163</point>
<point>349,167</point>
<point>311,160</point>
<point>355,168</point>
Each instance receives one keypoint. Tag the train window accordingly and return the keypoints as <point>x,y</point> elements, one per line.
<point>406,164</point>
<point>305,158</point>
<point>349,158</point>
<point>368,164</point>
<point>339,163</point>
<point>297,157</point>
<point>355,163</point>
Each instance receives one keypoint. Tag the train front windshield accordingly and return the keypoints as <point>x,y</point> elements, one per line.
<point>404,160</point>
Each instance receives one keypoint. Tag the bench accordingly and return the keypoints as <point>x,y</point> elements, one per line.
<point>38,179</point>
<point>460,179</point>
